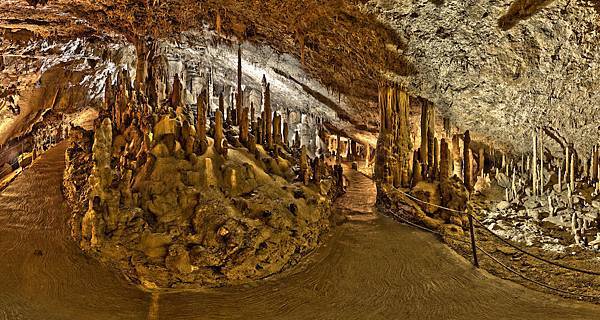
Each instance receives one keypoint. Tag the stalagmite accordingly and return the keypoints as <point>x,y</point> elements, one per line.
<point>481,162</point>
<point>594,165</point>
<point>221,103</point>
<point>572,174</point>
<point>268,120</point>
<point>220,141</point>
<point>260,130</point>
<point>244,127</point>
<point>534,163</point>
<point>286,134</point>
<point>240,93</point>
<point>252,112</point>
<point>201,123</point>
<point>304,165</point>
<point>456,156</point>
<point>251,143</point>
<point>339,149</point>
<point>444,160</point>
<point>559,179</point>
<point>176,98</point>
<point>436,158</point>
<point>277,129</point>
<point>468,167</point>
<point>513,185</point>
<point>541,155</point>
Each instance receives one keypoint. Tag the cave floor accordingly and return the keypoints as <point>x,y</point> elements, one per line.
<point>368,269</point>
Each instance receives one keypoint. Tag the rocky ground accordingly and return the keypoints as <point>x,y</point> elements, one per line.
<point>564,235</point>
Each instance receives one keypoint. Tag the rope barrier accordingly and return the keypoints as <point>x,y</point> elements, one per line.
<point>556,264</point>
<point>541,284</point>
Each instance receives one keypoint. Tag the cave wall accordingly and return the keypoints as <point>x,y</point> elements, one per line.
<point>501,80</point>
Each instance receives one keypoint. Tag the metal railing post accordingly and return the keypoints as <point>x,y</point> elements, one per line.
<point>473,247</point>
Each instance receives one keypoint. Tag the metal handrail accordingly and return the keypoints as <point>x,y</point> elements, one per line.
<point>595,273</point>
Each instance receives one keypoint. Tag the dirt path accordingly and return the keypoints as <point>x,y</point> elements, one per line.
<point>375,269</point>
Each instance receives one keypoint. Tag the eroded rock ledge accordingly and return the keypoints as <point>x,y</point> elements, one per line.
<point>172,207</point>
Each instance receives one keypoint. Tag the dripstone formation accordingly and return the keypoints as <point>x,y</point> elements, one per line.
<point>175,201</point>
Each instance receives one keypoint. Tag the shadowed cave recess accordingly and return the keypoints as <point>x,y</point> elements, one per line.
<point>229,144</point>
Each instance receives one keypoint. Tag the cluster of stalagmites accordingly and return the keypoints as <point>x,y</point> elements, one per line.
<point>433,183</point>
<point>417,183</point>
<point>175,202</point>
<point>559,191</point>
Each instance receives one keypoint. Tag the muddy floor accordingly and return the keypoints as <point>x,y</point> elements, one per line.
<point>369,269</point>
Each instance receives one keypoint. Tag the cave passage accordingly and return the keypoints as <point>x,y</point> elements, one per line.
<point>374,268</point>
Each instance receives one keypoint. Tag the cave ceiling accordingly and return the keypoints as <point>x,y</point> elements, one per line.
<point>499,68</point>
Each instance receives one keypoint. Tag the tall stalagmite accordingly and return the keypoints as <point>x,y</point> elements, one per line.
<point>201,122</point>
<point>240,94</point>
<point>268,117</point>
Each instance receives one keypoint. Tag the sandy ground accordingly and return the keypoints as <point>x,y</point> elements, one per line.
<point>375,269</point>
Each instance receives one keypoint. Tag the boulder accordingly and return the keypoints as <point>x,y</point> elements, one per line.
<point>503,205</point>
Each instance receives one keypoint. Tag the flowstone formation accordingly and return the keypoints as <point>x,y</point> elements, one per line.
<point>179,202</point>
